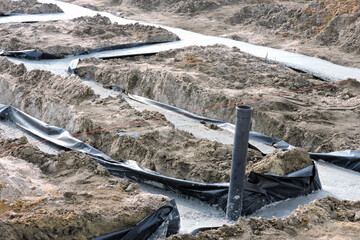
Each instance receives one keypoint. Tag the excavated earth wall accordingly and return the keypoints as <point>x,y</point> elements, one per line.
<point>64,196</point>
<point>319,119</point>
<point>62,38</point>
<point>68,196</point>
<point>27,6</point>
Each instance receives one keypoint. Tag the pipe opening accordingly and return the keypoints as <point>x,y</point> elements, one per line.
<point>244,107</point>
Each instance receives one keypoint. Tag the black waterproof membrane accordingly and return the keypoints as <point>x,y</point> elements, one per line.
<point>27,54</point>
<point>116,47</point>
<point>258,141</point>
<point>161,224</point>
<point>349,159</point>
<point>5,14</point>
<point>36,55</point>
<point>260,189</point>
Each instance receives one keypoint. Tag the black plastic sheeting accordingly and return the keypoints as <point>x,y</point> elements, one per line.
<point>6,14</point>
<point>160,224</point>
<point>260,189</point>
<point>349,159</point>
<point>32,54</point>
<point>258,141</point>
<point>116,47</point>
<point>27,54</point>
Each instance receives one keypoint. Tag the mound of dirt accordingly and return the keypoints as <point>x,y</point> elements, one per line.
<point>196,78</point>
<point>185,6</point>
<point>283,163</point>
<point>44,95</point>
<point>174,153</point>
<point>63,38</point>
<point>323,218</point>
<point>27,6</point>
<point>64,196</point>
<point>317,22</point>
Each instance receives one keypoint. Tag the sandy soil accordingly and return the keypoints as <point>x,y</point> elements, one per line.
<point>326,218</point>
<point>68,196</point>
<point>195,78</point>
<point>63,38</point>
<point>64,196</point>
<point>155,144</point>
<point>27,6</point>
<point>327,29</point>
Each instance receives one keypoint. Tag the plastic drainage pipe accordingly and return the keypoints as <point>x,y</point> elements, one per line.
<point>238,165</point>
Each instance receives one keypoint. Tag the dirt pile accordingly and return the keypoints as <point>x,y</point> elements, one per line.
<point>282,163</point>
<point>196,78</point>
<point>65,196</point>
<point>172,152</point>
<point>323,218</point>
<point>44,95</point>
<point>63,38</point>
<point>27,6</point>
<point>322,24</point>
<point>186,6</point>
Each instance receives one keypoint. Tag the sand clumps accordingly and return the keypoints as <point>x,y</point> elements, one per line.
<point>27,6</point>
<point>79,35</point>
<point>283,162</point>
<point>324,26</point>
<point>323,218</point>
<point>194,78</point>
<point>184,6</point>
<point>64,196</point>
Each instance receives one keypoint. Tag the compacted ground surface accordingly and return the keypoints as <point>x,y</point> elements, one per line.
<point>63,38</point>
<point>27,6</point>
<point>327,29</point>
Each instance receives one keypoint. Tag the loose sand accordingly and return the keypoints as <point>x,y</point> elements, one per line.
<point>62,38</point>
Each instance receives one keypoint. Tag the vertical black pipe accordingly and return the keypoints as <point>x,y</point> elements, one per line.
<point>238,165</point>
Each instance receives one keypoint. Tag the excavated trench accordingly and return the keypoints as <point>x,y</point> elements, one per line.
<point>158,145</point>
<point>192,78</point>
<point>214,78</point>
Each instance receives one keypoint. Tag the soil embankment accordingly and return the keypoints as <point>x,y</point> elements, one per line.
<point>82,34</point>
<point>64,196</point>
<point>28,7</point>
<point>196,78</point>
